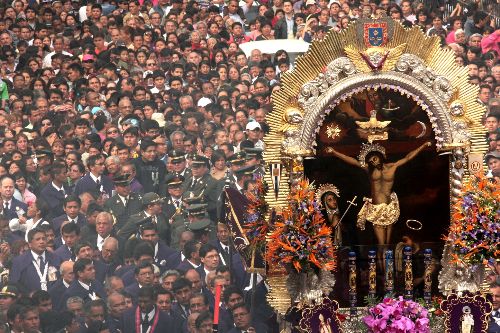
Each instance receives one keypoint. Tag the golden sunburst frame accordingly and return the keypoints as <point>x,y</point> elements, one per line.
<point>353,60</point>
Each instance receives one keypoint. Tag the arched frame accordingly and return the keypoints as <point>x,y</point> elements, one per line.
<point>343,64</point>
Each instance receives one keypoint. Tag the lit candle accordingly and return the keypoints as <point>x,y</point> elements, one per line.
<point>352,283</point>
<point>407,254</point>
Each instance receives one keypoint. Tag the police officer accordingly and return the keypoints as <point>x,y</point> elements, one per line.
<point>235,161</point>
<point>151,210</point>
<point>202,183</point>
<point>243,175</point>
<point>254,158</point>
<point>124,203</point>
<point>178,161</point>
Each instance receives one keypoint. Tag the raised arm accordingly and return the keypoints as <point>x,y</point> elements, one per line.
<point>411,155</point>
<point>345,158</point>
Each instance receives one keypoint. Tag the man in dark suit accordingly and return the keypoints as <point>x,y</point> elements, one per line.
<point>104,229</point>
<point>243,175</point>
<point>124,203</point>
<point>10,207</point>
<point>209,257</point>
<point>116,307</point>
<point>58,289</point>
<point>142,252</point>
<point>222,244</point>
<point>146,317</point>
<point>71,205</point>
<point>494,324</point>
<point>286,28</point>
<point>95,181</point>
<point>144,276</point>
<point>150,170</point>
<point>175,259</point>
<point>85,250</point>
<point>243,320</point>
<point>202,183</point>
<point>192,260</point>
<point>35,269</point>
<point>85,285</point>
<point>71,235</point>
<point>149,233</point>
<point>182,291</point>
<point>55,191</point>
<point>152,204</point>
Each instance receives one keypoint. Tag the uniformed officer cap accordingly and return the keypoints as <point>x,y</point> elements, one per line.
<point>40,153</point>
<point>238,158</point>
<point>246,170</point>
<point>201,225</point>
<point>177,156</point>
<point>151,198</point>
<point>174,179</point>
<point>122,180</point>
<point>193,200</point>
<point>197,209</point>
<point>199,160</point>
<point>253,153</point>
<point>9,291</point>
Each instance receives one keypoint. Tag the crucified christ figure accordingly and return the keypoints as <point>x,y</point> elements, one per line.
<point>382,209</point>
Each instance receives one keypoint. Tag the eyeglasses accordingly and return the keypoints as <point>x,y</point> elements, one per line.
<point>488,81</point>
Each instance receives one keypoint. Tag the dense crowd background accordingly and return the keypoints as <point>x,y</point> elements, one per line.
<point>120,124</point>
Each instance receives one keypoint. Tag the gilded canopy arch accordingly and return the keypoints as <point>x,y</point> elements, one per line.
<point>345,63</point>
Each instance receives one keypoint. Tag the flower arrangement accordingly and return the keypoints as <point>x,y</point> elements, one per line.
<point>301,236</point>
<point>397,316</point>
<point>475,227</point>
<point>256,226</point>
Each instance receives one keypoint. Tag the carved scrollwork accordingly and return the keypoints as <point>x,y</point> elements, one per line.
<point>412,65</point>
<point>310,91</point>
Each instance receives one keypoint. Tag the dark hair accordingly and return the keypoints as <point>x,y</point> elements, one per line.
<point>190,248</point>
<point>80,265</point>
<point>180,283</point>
<point>92,160</point>
<point>69,228</point>
<point>143,265</point>
<point>72,198</point>
<point>40,296</point>
<point>143,248</point>
<point>147,291</point>
<point>32,232</point>
<point>229,290</point>
<point>205,248</point>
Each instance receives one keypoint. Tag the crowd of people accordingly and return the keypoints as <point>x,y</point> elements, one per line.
<point>120,124</point>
